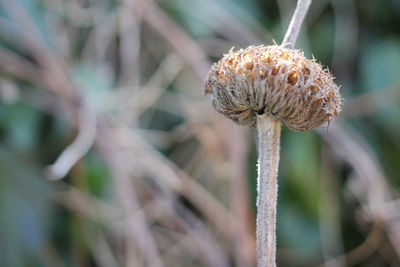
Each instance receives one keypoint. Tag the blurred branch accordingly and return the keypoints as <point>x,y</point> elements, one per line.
<point>127,140</point>
<point>101,250</point>
<point>364,250</point>
<point>136,225</point>
<point>179,181</point>
<point>368,247</point>
<point>179,40</point>
<point>373,190</point>
<point>372,102</point>
<point>192,226</point>
<point>233,22</point>
<point>53,73</point>
<point>133,104</point>
<point>15,65</point>
<point>129,32</point>
<point>82,203</point>
<point>55,76</point>
<point>202,236</point>
<point>352,149</point>
<point>78,148</point>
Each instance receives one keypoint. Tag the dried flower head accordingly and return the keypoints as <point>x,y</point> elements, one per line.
<point>275,81</point>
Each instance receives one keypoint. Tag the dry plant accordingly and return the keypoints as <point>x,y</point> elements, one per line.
<point>264,86</point>
<point>107,70</point>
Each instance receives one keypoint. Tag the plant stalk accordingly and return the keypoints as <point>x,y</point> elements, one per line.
<point>269,131</point>
<point>295,24</point>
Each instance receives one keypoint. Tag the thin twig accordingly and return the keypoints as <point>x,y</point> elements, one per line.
<point>235,25</point>
<point>179,181</point>
<point>81,203</point>
<point>184,45</point>
<point>52,68</point>
<point>114,155</point>
<point>55,76</point>
<point>352,148</point>
<point>100,249</point>
<point>269,139</point>
<point>172,214</point>
<point>78,148</point>
<point>295,24</point>
<point>15,65</point>
<point>372,102</point>
<point>364,250</point>
<point>203,237</point>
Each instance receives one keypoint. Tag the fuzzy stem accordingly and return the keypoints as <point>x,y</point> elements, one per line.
<point>295,24</point>
<point>269,131</point>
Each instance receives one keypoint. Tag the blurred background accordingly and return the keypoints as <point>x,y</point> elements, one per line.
<point>111,155</point>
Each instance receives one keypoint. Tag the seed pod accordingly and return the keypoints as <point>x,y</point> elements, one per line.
<point>275,81</point>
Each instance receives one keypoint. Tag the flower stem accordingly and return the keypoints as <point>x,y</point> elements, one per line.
<point>295,24</point>
<point>269,131</point>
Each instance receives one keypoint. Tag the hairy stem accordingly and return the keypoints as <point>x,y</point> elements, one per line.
<point>269,131</point>
<point>295,24</point>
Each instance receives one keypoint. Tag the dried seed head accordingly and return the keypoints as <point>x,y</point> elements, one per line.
<point>275,81</point>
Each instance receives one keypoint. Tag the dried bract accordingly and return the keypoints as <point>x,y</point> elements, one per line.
<point>275,81</point>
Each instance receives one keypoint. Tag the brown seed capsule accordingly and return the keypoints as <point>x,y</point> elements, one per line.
<point>275,81</point>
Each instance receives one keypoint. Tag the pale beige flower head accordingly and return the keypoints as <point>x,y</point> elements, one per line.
<point>275,81</point>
